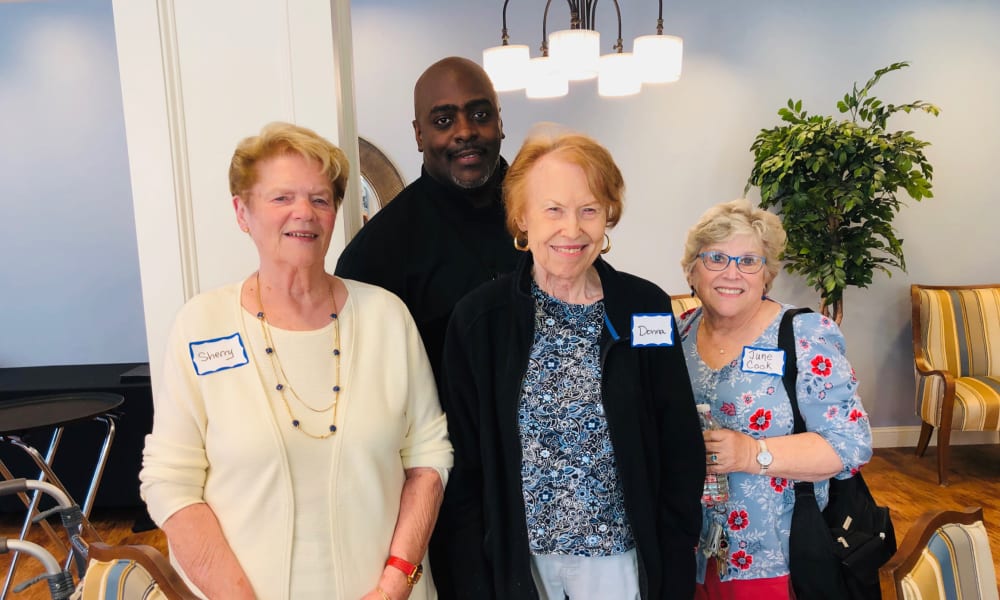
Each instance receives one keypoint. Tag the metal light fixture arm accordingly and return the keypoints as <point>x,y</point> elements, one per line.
<point>545,21</point>
<point>504,37</point>
<point>619,47</point>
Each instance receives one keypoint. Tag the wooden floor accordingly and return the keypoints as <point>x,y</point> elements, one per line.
<point>897,478</point>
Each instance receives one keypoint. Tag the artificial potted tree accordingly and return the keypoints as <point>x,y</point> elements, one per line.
<point>837,185</point>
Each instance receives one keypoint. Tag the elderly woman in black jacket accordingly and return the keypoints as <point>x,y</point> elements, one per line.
<point>579,462</point>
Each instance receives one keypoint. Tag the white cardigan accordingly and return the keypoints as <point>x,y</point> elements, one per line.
<point>215,438</point>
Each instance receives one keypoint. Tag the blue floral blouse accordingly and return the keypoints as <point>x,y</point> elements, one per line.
<point>758,515</point>
<point>573,502</point>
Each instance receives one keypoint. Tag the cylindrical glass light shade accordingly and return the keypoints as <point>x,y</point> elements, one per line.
<point>576,52</point>
<point>544,79</point>
<point>507,66</point>
<point>658,57</point>
<point>618,75</point>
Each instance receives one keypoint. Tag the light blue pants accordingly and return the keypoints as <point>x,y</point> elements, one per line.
<point>613,577</point>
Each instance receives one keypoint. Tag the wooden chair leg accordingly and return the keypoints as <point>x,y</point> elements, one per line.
<point>944,450</point>
<point>926,429</point>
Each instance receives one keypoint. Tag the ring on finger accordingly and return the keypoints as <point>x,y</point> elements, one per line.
<point>714,458</point>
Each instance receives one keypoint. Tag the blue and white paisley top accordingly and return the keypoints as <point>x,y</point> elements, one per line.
<point>757,518</point>
<point>573,502</point>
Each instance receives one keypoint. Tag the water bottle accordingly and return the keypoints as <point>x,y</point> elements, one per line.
<point>716,484</point>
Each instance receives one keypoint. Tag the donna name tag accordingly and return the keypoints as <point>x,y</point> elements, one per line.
<point>219,354</point>
<point>768,361</point>
<point>652,329</point>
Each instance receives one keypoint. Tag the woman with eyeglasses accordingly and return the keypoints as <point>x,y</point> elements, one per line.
<point>731,258</point>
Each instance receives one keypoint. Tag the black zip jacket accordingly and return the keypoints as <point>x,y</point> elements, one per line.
<point>651,418</point>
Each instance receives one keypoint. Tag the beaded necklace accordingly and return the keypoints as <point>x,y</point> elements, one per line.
<point>284,385</point>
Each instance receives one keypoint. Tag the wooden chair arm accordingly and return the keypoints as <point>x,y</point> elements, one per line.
<point>925,369</point>
<point>916,538</point>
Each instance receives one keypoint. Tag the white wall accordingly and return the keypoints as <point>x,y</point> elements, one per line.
<point>684,147</point>
<point>69,274</point>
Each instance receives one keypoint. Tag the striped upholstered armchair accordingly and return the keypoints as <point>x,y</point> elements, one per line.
<point>682,303</point>
<point>945,554</point>
<point>956,351</point>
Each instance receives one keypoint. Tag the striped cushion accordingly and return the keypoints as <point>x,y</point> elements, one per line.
<point>118,580</point>
<point>977,402</point>
<point>955,565</point>
<point>961,330</point>
<point>961,335</point>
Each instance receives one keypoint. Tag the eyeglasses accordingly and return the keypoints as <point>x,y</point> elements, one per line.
<point>719,261</point>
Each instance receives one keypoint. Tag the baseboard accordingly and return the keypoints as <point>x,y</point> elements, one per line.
<point>906,437</point>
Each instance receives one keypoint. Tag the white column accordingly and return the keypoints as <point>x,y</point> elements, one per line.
<point>196,78</point>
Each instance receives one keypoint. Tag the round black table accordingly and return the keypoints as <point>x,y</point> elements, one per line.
<point>23,415</point>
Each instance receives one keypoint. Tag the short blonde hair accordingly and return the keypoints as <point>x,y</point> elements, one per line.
<point>285,138</point>
<point>737,217</point>
<point>603,176</point>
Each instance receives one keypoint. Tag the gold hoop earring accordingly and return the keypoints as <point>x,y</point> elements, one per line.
<point>607,244</point>
<point>518,246</point>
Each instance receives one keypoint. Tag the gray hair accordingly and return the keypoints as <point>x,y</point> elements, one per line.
<point>737,217</point>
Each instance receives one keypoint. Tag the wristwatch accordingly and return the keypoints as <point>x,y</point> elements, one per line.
<point>764,457</point>
<point>412,571</point>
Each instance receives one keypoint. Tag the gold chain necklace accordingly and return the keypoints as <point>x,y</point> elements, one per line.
<point>284,385</point>
<point>703,333</point>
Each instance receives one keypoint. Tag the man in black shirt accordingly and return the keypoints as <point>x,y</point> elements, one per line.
<point>444,234</point>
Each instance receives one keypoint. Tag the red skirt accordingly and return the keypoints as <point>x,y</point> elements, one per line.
<point>771,588</point>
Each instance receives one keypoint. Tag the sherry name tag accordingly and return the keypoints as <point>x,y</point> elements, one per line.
<point>219,354</point>
<point>763,360</point>
<point>652,329</point>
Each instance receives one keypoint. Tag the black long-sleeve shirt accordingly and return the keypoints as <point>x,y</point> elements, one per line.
<point>430,246</point>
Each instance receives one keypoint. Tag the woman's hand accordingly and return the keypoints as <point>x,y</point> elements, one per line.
<point>728,451</point>
<point>802,456</point>
<point>198,544</point>
<point>392,586</point>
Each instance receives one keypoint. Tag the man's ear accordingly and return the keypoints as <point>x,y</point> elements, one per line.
<point>502,135</point>
<point>418,136</point>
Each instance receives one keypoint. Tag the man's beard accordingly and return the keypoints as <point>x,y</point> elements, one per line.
<point>477,183</point>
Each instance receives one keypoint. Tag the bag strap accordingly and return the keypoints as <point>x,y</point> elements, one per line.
<point>804,490</point>
<point>786,341</point>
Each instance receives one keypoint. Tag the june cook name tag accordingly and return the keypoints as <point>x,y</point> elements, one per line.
<point>768,361</point>
<point>652,329</point>
<point>219,354</point>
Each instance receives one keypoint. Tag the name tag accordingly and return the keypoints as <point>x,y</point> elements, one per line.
<point>763,360</point>
<point>652,329</point>
<point>219,354</point>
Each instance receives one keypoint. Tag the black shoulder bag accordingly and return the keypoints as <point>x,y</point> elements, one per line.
<point>836,553</point>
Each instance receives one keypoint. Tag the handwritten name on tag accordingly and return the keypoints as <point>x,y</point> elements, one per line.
<point>768,361</point>
<point>219,354</point>
<point>652,329</point>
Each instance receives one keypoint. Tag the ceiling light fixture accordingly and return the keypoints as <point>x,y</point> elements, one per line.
<point>574,55</point>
